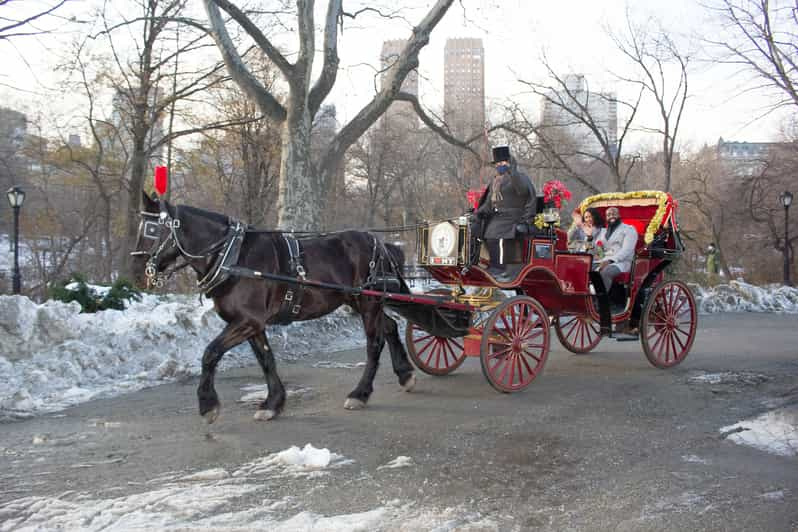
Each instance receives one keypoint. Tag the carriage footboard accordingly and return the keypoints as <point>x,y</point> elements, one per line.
<point>438,321</point>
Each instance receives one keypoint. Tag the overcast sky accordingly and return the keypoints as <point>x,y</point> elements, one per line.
<point>514,32</point>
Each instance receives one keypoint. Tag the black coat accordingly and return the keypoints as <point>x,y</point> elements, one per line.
<point>518,205</point>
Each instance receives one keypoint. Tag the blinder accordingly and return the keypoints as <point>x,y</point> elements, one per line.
<point>151,230</point>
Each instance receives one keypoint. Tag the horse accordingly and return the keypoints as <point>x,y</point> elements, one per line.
<point>182,235</point>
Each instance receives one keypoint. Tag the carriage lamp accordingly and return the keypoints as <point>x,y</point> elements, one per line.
<point>786,200</point>
<point>16,197</point>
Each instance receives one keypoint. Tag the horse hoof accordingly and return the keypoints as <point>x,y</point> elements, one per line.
<point>410,383</point>
<point>211,415</point>
<point>354,404</point>
<point>264,415</point>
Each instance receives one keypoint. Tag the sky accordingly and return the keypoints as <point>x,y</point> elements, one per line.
<point>515,33</point>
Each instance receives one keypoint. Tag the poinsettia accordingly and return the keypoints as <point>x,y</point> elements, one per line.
<point>555,192</point>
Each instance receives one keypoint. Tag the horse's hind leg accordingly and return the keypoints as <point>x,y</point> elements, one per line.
<point>401,364</point>
<point>231,336</point>
<point>275,401</point>
<point>372,324</point>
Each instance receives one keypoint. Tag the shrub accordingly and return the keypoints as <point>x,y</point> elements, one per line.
<point>75,288</point>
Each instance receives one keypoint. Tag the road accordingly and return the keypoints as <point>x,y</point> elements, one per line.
<point>598,442</point>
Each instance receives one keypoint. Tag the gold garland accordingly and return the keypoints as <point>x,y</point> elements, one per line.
<point>656,220</point>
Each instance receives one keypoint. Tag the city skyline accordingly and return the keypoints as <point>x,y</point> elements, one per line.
<point>514,36</point>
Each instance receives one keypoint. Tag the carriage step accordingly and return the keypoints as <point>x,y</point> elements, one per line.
<point>626,337</point>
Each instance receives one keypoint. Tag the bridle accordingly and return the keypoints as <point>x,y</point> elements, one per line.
<point>150,229</point>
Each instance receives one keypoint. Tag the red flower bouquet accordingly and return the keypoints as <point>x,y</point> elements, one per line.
<point>555,192</point>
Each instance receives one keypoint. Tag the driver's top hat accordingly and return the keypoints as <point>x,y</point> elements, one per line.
<point>501,153</point>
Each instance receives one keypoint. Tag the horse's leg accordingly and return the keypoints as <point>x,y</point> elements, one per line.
<point>372,324</point>
<point>231,336</point>
<point>275,401</point>
<point>401,365</point>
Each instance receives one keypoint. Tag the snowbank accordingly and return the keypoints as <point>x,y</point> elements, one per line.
<point>51,356</point>
<point>739,296</point>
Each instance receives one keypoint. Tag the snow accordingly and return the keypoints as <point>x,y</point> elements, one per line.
<point>52,356</point>
<point>739,296</point>
<point>216,499</point>
<point>775,432</point>
<point>399,461</point>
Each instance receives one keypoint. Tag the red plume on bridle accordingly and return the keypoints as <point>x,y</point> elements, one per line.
<point>161,179</point>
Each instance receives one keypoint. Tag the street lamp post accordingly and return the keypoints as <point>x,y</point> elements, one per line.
<point>16,197</point>
<point>786,200</point>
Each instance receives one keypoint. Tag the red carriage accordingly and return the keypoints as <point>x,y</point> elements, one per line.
<point>555,289</point>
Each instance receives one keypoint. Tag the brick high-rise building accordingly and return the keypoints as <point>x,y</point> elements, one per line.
<point>401,112</point>
<point>464,86</point>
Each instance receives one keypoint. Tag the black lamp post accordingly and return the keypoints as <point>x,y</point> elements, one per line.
<point>16,197</point>
<point>786,200</point>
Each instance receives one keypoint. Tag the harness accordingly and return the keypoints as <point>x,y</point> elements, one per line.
<point>294,294</point>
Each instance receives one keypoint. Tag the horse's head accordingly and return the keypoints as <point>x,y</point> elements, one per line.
<point>156,250</point>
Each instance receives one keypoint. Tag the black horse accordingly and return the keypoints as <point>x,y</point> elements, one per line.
<point>173,236</point>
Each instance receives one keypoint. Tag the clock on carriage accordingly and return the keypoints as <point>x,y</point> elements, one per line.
<point>443,239</point>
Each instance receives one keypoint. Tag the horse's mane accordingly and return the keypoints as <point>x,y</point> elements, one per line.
<point>210,215</point>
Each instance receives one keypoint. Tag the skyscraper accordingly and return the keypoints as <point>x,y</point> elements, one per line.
<point>464,86</point>
<point>560,106</point>
<point>399,112</point>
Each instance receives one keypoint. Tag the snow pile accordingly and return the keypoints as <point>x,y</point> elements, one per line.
<point>774,432</point>
<point>294,462</point>
<point>216,499</point>
<point>739,296</point>
<point>51,356</point>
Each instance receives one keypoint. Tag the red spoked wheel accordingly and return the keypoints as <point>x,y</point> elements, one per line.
<point>434,355</point>
<point>515,344</point>
<point>578,334</point>
<point>668,325</point>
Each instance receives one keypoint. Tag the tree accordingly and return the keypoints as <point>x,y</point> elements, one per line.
<point>760,39</point>
<point>652,54</point>
<point>164,67</point>
<point>570,105</point>
<point>303,184</point>
<point>12,25</point>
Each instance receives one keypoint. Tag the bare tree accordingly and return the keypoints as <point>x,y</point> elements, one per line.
<point>761,39</point>
<point>653,54</point>
<point>776,175</point>
<point>572,107</point>
<point>708,204</point>
<point>148,83</point>
<point>302,183</point>
<point>12,25</point>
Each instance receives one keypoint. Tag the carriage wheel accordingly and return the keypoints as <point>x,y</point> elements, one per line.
<point>515,344</point>
<point>668,326</point>
<point>578,334</point>
<point>434,355</point>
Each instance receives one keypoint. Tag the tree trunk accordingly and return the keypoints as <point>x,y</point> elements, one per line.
<point>299,195</point>
<point>135,186</point>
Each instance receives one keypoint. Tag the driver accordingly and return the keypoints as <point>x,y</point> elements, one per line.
<point>509,199</point>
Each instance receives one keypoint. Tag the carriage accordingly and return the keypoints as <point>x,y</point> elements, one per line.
<point>470,314</point>
<point>555,288</point>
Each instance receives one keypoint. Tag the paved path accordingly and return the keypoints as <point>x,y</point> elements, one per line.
<point>599,442</point>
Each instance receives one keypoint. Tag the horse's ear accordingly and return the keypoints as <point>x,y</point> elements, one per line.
<point>149,204</point>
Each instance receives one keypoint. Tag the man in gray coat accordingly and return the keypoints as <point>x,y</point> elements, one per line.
<point>620,240</point>
<point>510,199</point>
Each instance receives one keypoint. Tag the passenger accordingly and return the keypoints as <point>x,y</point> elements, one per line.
<point>620,240</point>
<point>586,230</point>
<point>509,200</point>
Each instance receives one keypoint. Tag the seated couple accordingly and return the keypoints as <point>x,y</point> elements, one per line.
<point>612,247</point>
